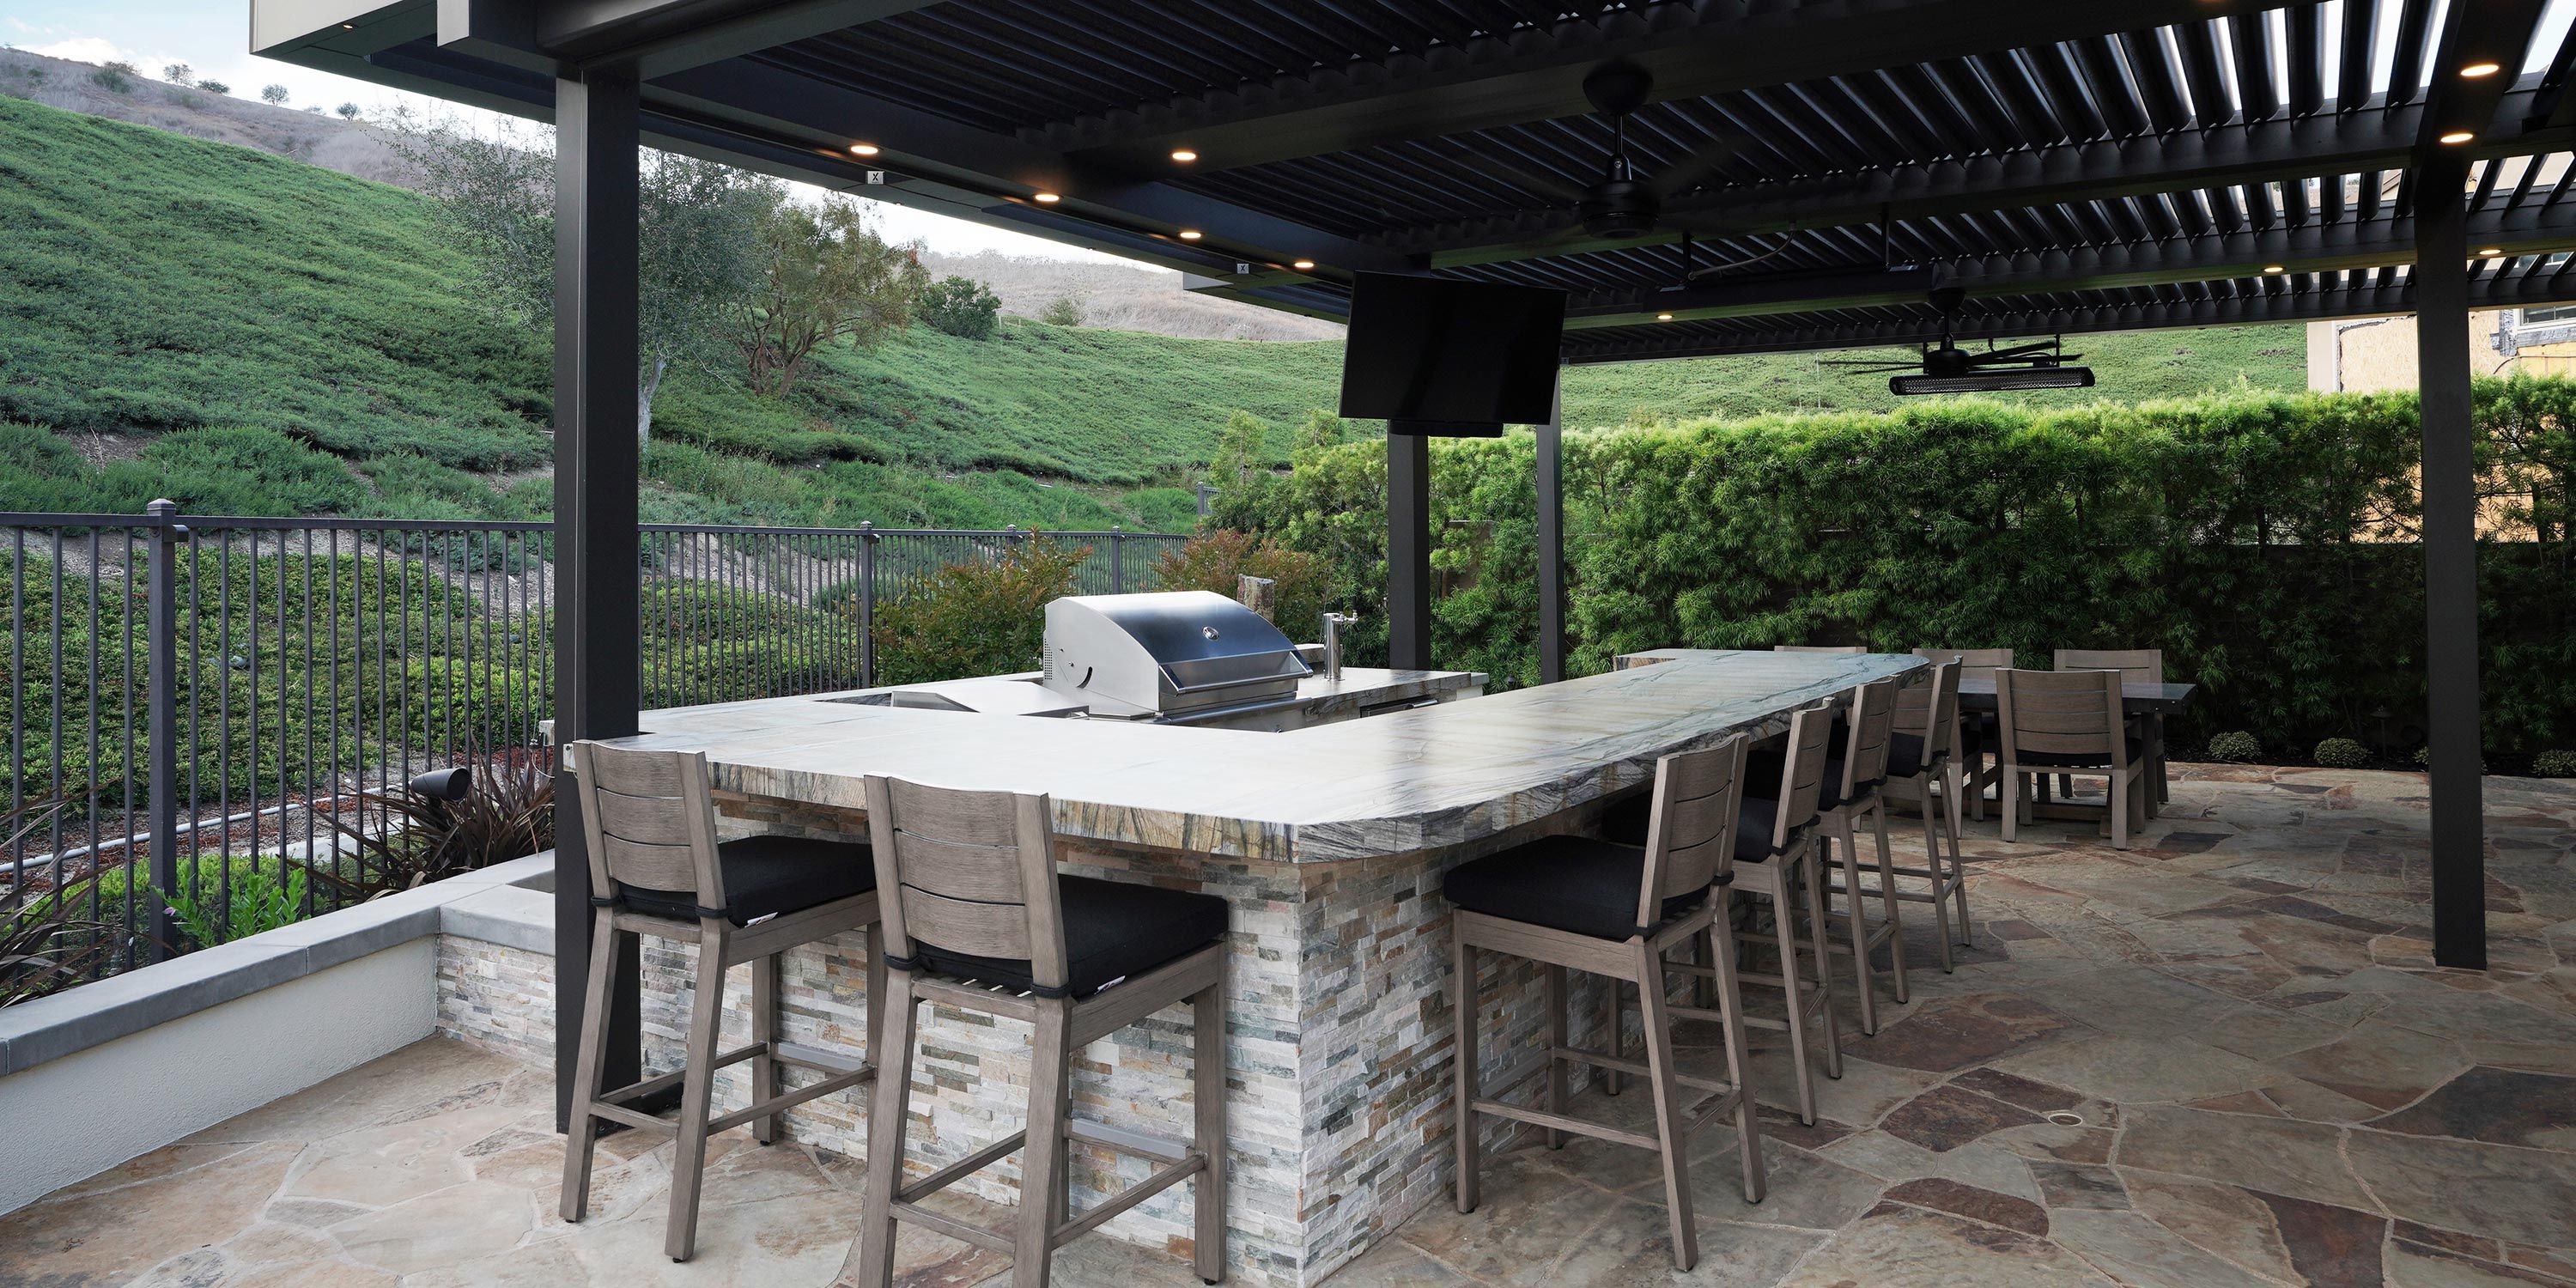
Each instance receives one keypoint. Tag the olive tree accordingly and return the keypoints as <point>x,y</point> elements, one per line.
<point>698,235</point>
<point>820,273</point>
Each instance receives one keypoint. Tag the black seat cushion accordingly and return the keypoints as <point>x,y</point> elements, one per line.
<point>1581,884</point>
<point>2070,760</point>
<point>1112,931</point>
<point>765,875</point>
<point>1904,755</point>
<point>1625,825</point>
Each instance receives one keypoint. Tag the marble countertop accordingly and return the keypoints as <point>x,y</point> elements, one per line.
<point>1425,778</point>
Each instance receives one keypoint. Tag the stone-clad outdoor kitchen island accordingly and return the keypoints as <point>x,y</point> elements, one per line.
<point>1329,843</point>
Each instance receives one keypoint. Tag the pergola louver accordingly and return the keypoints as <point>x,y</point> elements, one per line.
<point>2076,167</point>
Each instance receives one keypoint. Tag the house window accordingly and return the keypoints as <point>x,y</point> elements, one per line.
<point>2553,315</point>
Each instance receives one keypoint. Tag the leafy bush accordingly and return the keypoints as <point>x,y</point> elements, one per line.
<point>213,86</point>
<point>2424,759</point>
<point>962,307</point>
<point>2554,764</point>
<point>984,618</point>
<point>2236,747</point>
<point>258,899</point>
<point>115,77</point>
<point>1213,559</point>
<point>2342,753</point>
<point>1063,310</point>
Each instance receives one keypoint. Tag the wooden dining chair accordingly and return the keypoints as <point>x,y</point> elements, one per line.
<point>648,820</point>
<point>977,918</point>
<point>1974,737</point>
<point>2136,666</point>
<point>2069,723</point>
<point>1588,904</point>
<point>1923,771</point>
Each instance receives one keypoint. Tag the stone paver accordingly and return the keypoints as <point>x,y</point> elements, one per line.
<point>2222,1058</point>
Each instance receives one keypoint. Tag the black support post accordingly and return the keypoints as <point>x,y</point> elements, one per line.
<point>1408,552</point>
<point>2450,563</point>
<point>598,681</point>
<point>1551,540</point>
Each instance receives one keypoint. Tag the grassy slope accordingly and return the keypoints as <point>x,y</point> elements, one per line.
<point>160,286</point>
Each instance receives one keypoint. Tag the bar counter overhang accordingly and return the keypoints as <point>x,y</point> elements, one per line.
<point>1329,844</point>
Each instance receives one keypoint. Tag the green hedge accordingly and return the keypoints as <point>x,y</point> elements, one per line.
<point>2264,542</point>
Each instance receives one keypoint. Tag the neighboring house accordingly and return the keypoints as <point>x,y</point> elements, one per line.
<point>2375,354</point>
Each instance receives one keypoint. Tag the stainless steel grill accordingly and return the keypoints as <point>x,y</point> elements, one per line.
<point>1173,655</point>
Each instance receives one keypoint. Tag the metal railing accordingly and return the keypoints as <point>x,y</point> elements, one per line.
<point>188,699</point>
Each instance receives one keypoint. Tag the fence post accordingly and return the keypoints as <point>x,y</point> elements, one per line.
<point>162,699</point>
<point>867,605</point>
<point>1117,560</point>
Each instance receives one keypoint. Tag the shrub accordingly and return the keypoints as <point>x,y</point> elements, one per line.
<point>962,307</point>
<point>2424,758</point>
<point>1213,559</point>
<point>114,77</point>
<point>2237,747</point>
<point>2342,753</point>
<point>2554,764</point>
<point>403,838</point>
<point>985,618</point>
<point>256,900</point>
<point>1063,310</point>
<point>213,86</point>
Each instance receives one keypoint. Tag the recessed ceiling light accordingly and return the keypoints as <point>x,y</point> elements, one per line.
<point>1184,155</point>
<point>1663,317</point>
<point>1049,198</point>
<point>2459,136</point>
<point>1303,264</point>
<point>2274,268</point>
<point>1189,234</point>
<point>863,149</point>
<point>2475,70</point>
<point>348,26</point>
<point>2490,252</point>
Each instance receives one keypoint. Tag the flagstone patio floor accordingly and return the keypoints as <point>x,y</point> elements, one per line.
<point>2223,1058</point>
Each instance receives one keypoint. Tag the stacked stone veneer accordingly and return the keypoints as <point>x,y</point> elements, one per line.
<point>1338,1050</point>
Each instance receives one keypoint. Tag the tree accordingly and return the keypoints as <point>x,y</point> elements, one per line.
<point>1322,429</point>
<point>820,273</point>
<point>1242,444</point>
<point>697,234</point>
<point>1063,310</point>
<point>962,307</point>
<point>273,95</point>
<point>347,111</point>
<point>116,77</point>
<point>179,74</point>
<point>213,86</point>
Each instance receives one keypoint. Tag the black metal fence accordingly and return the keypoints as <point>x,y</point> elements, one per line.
<point>189,700</point>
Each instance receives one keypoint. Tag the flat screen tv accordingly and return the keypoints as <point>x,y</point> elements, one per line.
<point>1433,356</point>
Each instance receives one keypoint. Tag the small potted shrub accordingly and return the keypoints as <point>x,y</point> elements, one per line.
<point>2554,764</point>
<point>2424,758</point>
<point>2342,753</point>
<point>2237,747</point>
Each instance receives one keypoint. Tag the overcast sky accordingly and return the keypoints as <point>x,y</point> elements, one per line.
<point>213,38</point>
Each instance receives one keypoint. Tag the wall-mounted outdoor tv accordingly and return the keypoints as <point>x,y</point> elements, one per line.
<point>1433,356</point>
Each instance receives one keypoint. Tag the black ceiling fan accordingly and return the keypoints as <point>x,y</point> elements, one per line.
<point>1946,368</point>
<point>1623,202</point>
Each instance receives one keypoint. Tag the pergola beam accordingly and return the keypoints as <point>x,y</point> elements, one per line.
<point>2315,248</point>
<point>649,37</point>
<point>1530,74</point>
<point>2282,148</point>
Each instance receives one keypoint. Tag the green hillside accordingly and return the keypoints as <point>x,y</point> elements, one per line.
<point>250,334</point>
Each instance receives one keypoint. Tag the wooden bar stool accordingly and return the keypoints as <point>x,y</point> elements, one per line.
<point>1850,794</point>
<point>1974,736</point>
<point>656,868</point>
<point>1775,857</point>
<point>2069,723</point>
<point>1582,903</point>
<point>978,919</point>
<point>1923,771</point>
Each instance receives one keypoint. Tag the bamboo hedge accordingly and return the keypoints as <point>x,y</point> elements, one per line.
<point>2266,543</point>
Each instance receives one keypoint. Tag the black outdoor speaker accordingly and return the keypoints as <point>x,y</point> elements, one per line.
<point>444,784</point>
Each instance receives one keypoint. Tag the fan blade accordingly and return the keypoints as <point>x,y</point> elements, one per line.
<point>1693,170</point>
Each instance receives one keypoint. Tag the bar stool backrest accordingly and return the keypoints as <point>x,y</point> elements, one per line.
<point>1847,649</point>
<point>2135,665</point>
<point>1929,711</point>
<point>1974,663</point>
<point>1802,775</point>
<point>973,873</point>
<point>2069,713</point>
<point>1690,832</point>
<point>648,820</point>
<point>1873,721</point>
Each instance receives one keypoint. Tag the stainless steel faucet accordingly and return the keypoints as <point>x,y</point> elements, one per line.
<point>1334,623</point>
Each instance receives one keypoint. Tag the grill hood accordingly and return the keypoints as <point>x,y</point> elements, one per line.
<point>1166,655</point>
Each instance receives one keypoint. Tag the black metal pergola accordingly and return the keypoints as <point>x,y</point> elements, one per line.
<point>2072,166</point>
